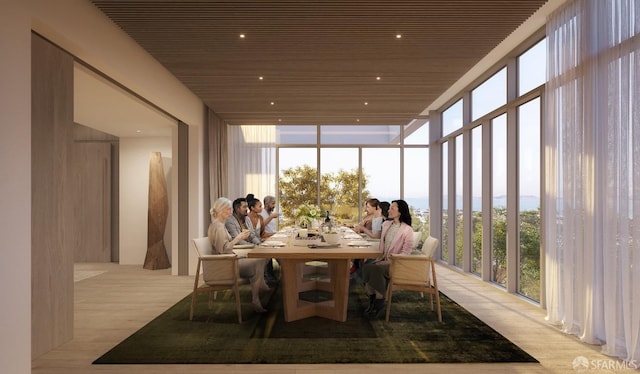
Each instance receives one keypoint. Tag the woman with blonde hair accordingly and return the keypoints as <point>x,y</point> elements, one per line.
<point>221,242</point>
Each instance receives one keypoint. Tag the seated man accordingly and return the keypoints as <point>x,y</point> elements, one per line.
<point>270,216</point>
<point>236,223</point>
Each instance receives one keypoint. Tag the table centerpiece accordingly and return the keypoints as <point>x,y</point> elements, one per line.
<point>307,214</point>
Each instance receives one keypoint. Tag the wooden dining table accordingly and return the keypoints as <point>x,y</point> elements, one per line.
<point>333,263</point>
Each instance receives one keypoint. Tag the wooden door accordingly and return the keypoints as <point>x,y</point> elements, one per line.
<point>92,204</point>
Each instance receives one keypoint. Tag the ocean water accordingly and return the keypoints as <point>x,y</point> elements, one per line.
<point>526,202</point>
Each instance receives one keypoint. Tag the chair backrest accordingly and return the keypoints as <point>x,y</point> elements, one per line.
<point>408,271</point>
<point>411,271</point>
<point>417,235</point>
<point>202,246</point>
<point>429,246</point>
<point>216,269</point>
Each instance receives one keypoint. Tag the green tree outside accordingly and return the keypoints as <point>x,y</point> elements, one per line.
<point>297,186</point>
<point>529,282</point>
<point>339,192</point>
<point>421,225</point>
<point>529,272</point>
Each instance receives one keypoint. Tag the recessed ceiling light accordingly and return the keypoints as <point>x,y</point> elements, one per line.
<point>398,36</point>
<point>357,119</point>
<point>261,77</point>
<point>279,119</point>
<point>272,103</point>
<point>241,36</point>
<point>378,78</point>
<point>366,103</point>
<point>138,131</point>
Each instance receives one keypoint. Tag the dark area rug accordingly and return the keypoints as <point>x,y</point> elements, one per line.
<point>413,335</point>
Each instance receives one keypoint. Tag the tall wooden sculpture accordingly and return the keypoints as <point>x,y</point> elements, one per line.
<point>156,257</point>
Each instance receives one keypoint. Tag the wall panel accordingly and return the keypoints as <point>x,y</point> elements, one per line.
<point>51,202</point>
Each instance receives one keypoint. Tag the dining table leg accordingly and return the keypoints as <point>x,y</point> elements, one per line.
<point>337,283</point>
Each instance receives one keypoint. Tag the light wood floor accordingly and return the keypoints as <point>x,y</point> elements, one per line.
<point>113,301</point>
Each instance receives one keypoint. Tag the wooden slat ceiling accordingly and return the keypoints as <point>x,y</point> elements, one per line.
<point>319,59</point>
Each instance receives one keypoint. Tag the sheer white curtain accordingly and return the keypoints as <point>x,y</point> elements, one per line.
<point>252,161</point>
<point>592,202</point>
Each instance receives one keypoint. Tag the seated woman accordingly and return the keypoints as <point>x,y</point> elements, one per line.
<point>254,219</point>
<point>396,238</point>
<point>252,268</point>
<point>371,209</point>
<point>380,215</point>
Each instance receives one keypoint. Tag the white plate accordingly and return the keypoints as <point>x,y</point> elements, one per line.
<point>273,243</point>
<point>352,236</point>
<point>359,243</point>
<point>324,245</point>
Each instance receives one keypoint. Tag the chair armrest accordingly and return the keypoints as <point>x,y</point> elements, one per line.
<point>241,253</point>
<point>222,257</point>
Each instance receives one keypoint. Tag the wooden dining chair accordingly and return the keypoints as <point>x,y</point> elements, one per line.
<point>417,235</point>
<point>415,273</point>
<point>219,273</point>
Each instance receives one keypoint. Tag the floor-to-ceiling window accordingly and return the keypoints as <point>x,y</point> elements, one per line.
<point>500,118</point>
<point>476,200</point>
<point>339,183</point>
<point>451,122</point>
<point>529,199</point>
<point>489,95</point>
<point>416,188</point>
<point>459,202</point>
<point>297,181</point>
<point>445,202</point>
<point>531,74</point>
<point>499,199</point>
<point>338,167</point>
<point>381,168</point>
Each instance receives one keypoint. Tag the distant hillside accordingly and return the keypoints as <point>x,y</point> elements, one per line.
<point>526,202</point>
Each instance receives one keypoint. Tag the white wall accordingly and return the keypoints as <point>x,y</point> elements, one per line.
<point>134,195</point>
<point>86,33</point>
<point>15,188</point>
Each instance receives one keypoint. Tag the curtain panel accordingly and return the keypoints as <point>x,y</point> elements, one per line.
<point>217,168</point>
<point>252,161</point>
<point>592,192</point>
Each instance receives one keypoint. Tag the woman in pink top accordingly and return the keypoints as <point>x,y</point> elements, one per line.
<point>396,238</point>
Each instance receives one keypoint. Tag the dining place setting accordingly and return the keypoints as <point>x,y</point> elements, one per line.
<point>318,238</point>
